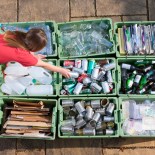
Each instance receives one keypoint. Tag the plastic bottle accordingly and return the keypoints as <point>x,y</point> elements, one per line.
<point>40,74</point>
<point>14,63</point>
<point>6,89</point>
<point>9,78</point>
<point>39,90</point>
<point>16,70</point>
<point>26,80</point>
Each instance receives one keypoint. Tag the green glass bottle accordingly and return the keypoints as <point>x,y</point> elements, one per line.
<point>142,63</point>
<point>130,80</point>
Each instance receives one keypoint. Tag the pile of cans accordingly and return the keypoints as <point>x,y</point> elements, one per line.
<point>88,77</point>
<point>88,118</point>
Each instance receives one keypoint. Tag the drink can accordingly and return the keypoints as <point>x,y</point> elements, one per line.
<point>80,123</point>
<point>89,132</point>
<point>95,73</point>
<point>80,108</point>
<point>89,113</point>
<point>67,103</point>
<point>95,87</point>
<point>68,63</point>
<point>78,70</point>
<point>84,64</point>
<point>109,132</point>
<point>91,65</point>
<point>67,129</point>
<point>74,74</point>
<point>80,79</point>
<point>110,109</point>
<point>108,119</point>
<point>78,88</point>
<point>85,91</point>
<point>86,81</point>
<point>105,87</point>
<point>77,63</point>
<point>109,77</point>
<point>101,75</point>
<point>109,66</point>
<point>67,87</point>
<point>95,104</point>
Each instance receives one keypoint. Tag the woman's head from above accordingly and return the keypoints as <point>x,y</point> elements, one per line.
<point>34,40</point>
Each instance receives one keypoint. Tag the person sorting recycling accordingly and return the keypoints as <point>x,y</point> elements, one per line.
<point>20,47</point>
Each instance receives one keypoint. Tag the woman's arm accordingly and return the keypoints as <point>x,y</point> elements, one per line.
<point>64,72</point>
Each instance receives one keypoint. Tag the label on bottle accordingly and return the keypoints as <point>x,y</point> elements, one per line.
<point>126,66</point>
<point>137,78</point>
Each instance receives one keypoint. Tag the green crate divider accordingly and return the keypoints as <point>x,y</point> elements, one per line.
<point>107,20</point>
<point>60,117</point>
<point>55,82</point>
<point>119,25</point>
<point>48,102</point>
<point>51,24</point>
<point>128,60</point>
<point>60,61</point>
<point>121,119</point>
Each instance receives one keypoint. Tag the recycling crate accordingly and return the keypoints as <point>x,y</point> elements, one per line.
<point>24,27</point>
<point>49,103</point>
<point>85,99</point>
<point>70,53</point>
<point>113,72</point>
<point>54,82</point>
<point>119,51</point>
<point>136,129</point>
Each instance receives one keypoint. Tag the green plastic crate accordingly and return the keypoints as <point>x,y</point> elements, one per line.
<point>119,25</point>
<point>107,20</point>
<point>60,117</point>
<point>47,102</point>
<point>127,60</point>
<point>54,83</point>
<point>121,118</point>
<point>60,63</point>
<point>51,24</point>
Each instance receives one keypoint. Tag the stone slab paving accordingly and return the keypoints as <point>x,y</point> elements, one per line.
<point>70,10</point>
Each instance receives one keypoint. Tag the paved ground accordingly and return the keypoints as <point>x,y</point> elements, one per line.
<point>69,10</point>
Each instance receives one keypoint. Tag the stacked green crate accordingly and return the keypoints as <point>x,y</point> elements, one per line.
<point>76,99</point>
<point>50,103</point>
<point>54,82</point>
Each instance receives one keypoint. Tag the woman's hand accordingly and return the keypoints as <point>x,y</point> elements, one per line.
<point>40,56</point>
<point>65,72</point>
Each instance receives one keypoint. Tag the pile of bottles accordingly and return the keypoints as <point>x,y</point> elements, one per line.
<point>88,77</point>
<point>138,116</point>
<point>85,39</point>
<point>137,39</point>
<point>20,80</point>
<point>88,118</point>
<point>138,77</point>
<point>48,50</point>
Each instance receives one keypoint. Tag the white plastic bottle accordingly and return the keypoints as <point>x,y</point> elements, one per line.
<point>40,74</point>
<point>13,63</point>
<point>9,78</point>
<point>39,90</point>
<point>6,89</point>
<point>26,80</point>
<point>16,70</point>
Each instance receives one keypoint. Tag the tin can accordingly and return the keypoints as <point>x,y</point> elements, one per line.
<point>101,125</point>
<point>109,66</point>
<point>101,75</point>
<point>95,87</point>
<point>74,74</point>
<point>110,109</point>
<point>89,132</point>
<point>68,122</point>
<point>78,70</point>
<point>80,108</point>
<point>79,116</point>
<point>110,125</point>
<point>77,63</point>
<point>66,110</point>
<point>105,87</point>
<point>95,73</point>
<point>84,64</point>
<point>91,65</point>
<point>67,129</point>
<point>109,132</point>
<point>80,123</point>
<point>95,104</point>
<point>68,63</point>
<point>101,111</point>
<point>109,77</point>
<point>95,119</point>
<point>80,79</point>
<point>78,88</point>
<point>99,132</point>
<point>67,103</point>
<point>108,119</point>
<point>104,103</point>
<point>86,81</point>
<point>63,92</point>
<point>89,113</point>
<point>73,112</point>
